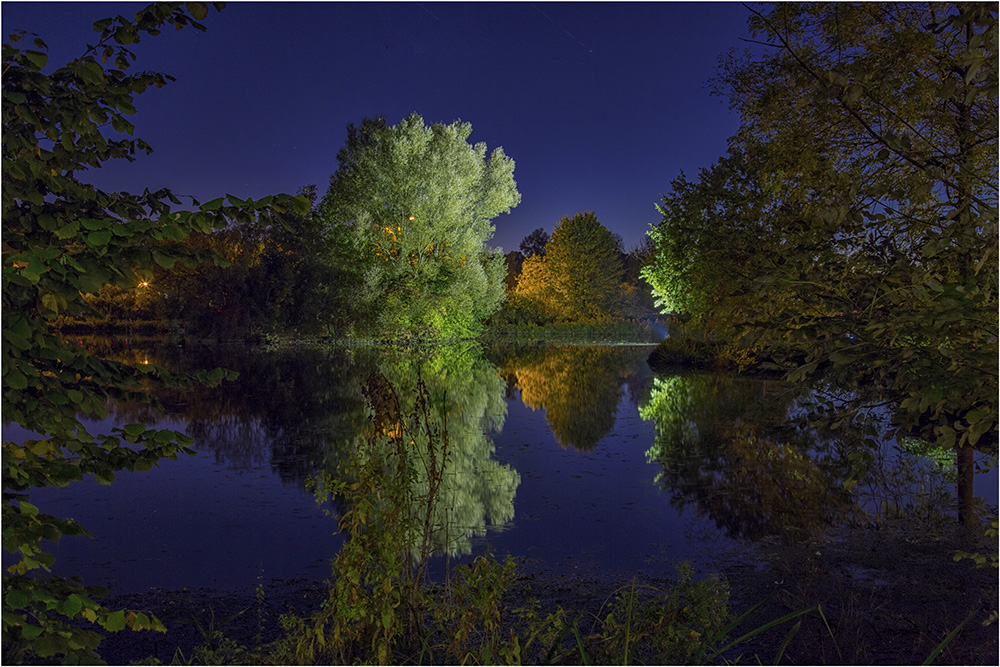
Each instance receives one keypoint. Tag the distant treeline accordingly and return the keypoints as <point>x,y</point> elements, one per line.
<point>340,271</point>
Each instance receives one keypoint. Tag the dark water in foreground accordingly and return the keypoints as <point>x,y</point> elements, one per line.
<point>577,456</point>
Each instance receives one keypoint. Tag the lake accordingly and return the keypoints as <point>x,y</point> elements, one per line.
<point>578,458</point>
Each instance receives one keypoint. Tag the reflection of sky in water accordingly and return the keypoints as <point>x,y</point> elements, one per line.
<point>209,521</point>
<point>191,522</point>
<point>986,485</point>
<point>598,508</point>
<point>199,522</point>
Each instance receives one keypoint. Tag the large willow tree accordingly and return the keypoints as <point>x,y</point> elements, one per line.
<point>418,204</point>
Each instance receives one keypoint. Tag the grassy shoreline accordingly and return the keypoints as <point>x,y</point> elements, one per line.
<point>887,597</point>
<point>609,333</point>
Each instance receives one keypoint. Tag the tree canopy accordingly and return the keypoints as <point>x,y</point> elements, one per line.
<point>579,276</point>
<point>695,266</point>
<point>714,240</point>
<point>417,203</point>
<point>867,214</point>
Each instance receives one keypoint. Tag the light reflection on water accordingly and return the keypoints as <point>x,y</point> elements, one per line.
<point>577,457</point>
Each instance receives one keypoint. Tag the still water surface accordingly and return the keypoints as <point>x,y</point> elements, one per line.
<point>576,457</point>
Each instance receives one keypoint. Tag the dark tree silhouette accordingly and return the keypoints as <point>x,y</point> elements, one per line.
<point>534,243</point>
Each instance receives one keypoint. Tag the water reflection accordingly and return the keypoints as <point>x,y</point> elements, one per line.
<point>725,451</point>
<point>301,410</point>
<point>578,387</point>
<point>294,410</point>
<point>467,397</point>
<point>728,448</point>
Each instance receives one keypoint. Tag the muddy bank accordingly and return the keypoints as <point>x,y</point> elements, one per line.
<point>888,596</point>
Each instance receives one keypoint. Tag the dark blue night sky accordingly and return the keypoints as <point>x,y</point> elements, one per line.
<point>599,104</point>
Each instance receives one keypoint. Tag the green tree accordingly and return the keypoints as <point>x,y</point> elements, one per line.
<point>417,204</point>
<point>64,239</point>
<point>281,276</point>
<point>874,135</point>
<point>715,239</point>
<point>894,137</point>
<point>116,304</point>
<point>692,269</point>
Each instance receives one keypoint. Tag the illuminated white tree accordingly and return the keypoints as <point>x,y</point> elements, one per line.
<point>418,203</point>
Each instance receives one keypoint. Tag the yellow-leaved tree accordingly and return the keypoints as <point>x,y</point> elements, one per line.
<point>579,277</point>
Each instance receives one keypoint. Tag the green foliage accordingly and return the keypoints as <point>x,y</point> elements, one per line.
<point>990,558</point>
<point>583,267</point>
<point>690,346</point>
<point>417,205</point>
<point>662,628</point>
<point>215,647</point>
<point>123,304</point>
<point>35,609</point>
<point>896,160</point>
<point>277,276</point>
<point>64,241</point>
<point>468,615</point>
<point>712,244</point>
<point>719,644</point>
<point>872,187</point>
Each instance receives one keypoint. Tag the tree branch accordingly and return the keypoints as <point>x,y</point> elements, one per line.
<point>853,112</point>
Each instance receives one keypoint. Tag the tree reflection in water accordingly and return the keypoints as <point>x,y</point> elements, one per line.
<point>290,409</point>
<point>728,447</point>
<point>579,387</point>
<point>467,396</point>
<point>301,410</point>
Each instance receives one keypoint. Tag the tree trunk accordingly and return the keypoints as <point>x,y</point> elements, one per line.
<point>966,473</point>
